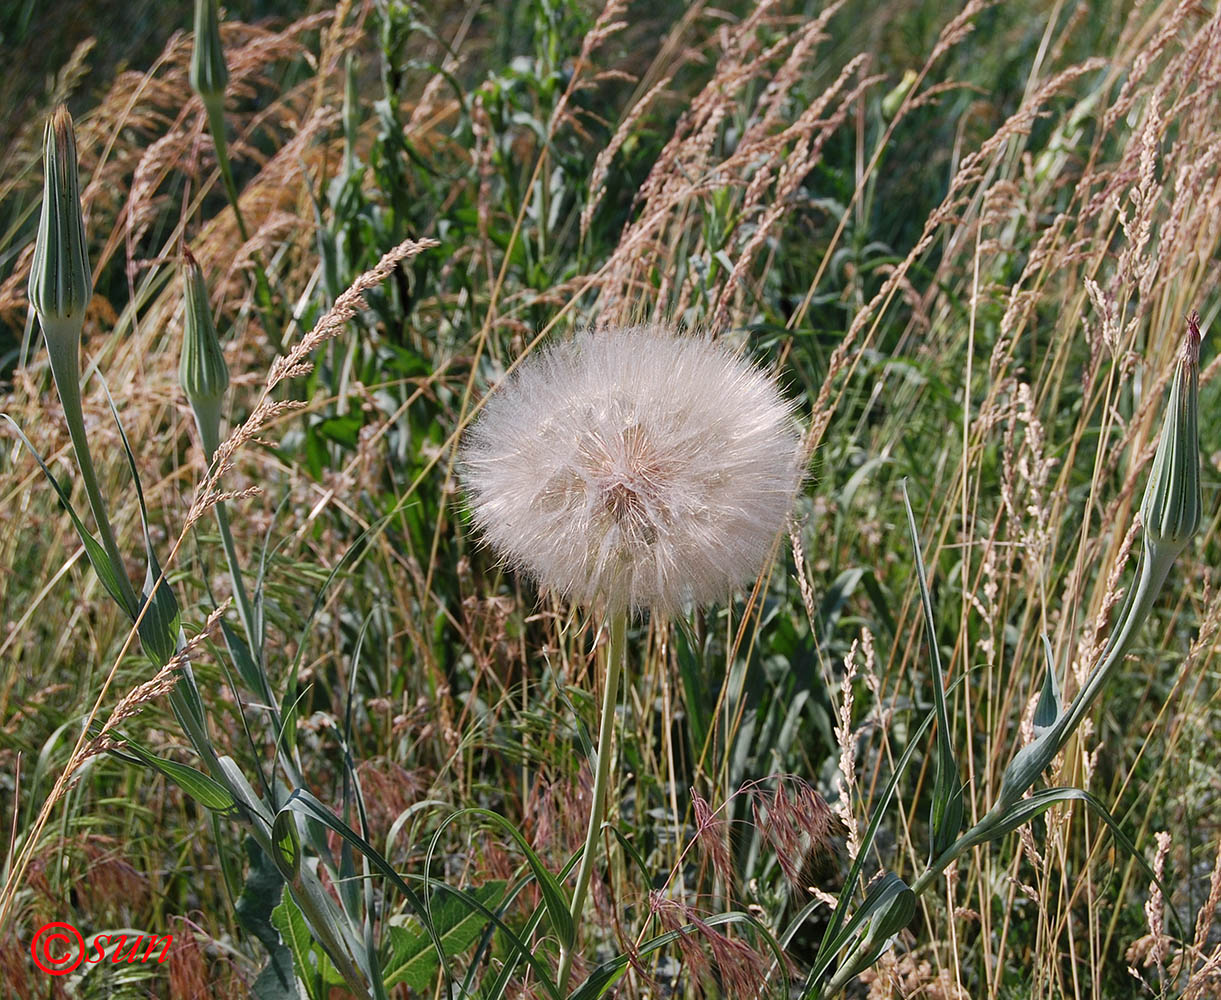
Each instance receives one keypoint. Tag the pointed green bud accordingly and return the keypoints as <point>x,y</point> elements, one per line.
<point>209,74</point>
<point>1172,506</point>
<point>202,371</point>
<point>60,282</point>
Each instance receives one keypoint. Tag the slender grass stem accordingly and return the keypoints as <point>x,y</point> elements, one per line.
<point>616,655</point>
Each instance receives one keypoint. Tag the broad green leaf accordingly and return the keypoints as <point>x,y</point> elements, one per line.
<point>160,626</point>
<point>509,965</point>
<point>314,968</point>
<point>260,895</point>
<point>947,807</point>
<point>247,669</point>
<point>277,981</point>
<point>1024,810</point>
<point>196,784</point>
<point>246,796</point>
<point>1027,764</point>
<point>834,937</point>
<point>893,906</point>
<point>413,956</point>
<point>881,897</point>
<point>286,845</point>
<point>331,928</point>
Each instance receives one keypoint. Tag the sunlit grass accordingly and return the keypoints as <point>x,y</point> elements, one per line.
<point>967,242</point>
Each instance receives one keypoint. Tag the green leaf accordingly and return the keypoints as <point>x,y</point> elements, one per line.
<point>1039,802</point>
<point>260,895</point>
<point>892,908</point>
<point>277,981</point>
<point>696,691</point>
<point>947,806</point>
<point>553,896</point>
<point>413,955</point>
<point>247,669</point>
<point>208,793</point>
<point>303,802</point>
<point>1047,712</point>
<point>160,626</point>
<point>96,554</point>
<point>834,937</point>
<point>314,968</point>
<point>286,845</point>
<point>1027,764</point>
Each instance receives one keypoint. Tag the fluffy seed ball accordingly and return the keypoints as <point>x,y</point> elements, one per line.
<point>634,469</point>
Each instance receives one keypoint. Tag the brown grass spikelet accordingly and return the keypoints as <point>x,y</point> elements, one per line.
<point>711,835</point>
<point>798,824</point>
<point>741,970</point>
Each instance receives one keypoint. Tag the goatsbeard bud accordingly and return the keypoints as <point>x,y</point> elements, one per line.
<point>209,74</point>
<point>60,283</point>
<point>202,371</point>
<point>1172,505</point>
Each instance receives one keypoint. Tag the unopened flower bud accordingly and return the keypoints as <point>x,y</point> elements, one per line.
<point>201,370</point>
<point>60,282</point>
<point>209,74</point>
<point>1172,506</point>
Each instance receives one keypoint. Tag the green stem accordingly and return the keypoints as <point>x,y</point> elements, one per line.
<point>1154,567</point>
<point>63,350</point>
<point>616,655</point>
<point>216,125</point>
<point>207,421</point>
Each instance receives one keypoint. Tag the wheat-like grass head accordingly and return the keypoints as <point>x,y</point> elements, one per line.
<point>634,469</point>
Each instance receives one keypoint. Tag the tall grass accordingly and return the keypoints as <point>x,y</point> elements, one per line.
<point>966,240</point>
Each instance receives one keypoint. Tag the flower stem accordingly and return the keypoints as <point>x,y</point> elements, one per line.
<point>65,371</point>
<point>616,655</point>
<point>207,422</point>
<point>216,125</point>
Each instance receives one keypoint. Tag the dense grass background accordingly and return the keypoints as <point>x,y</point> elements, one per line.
<point>967,240</point>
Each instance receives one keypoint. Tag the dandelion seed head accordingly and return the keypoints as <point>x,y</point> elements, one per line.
<point>634,468</point>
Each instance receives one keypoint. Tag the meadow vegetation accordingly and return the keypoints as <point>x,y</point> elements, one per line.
<point>282,701</point>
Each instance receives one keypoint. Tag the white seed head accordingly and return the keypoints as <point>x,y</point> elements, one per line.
<point>634,468</point>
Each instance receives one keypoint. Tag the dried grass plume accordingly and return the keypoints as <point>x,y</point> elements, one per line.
<point>634,468</point>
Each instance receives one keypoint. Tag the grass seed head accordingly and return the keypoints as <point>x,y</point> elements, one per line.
<point>1170,511</point>
<point>633,469</point>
